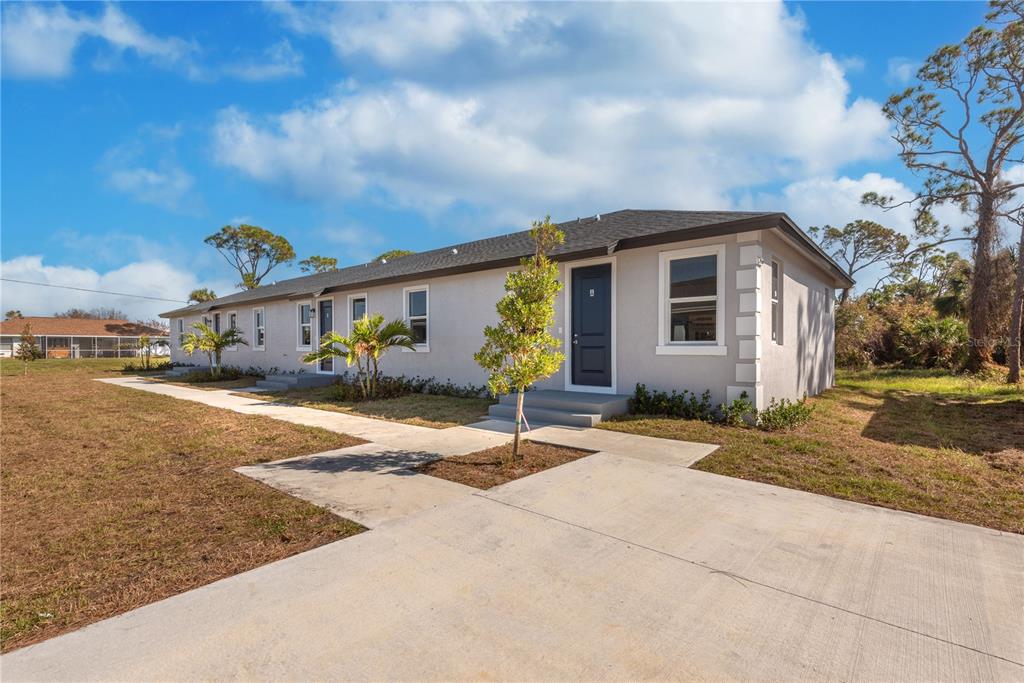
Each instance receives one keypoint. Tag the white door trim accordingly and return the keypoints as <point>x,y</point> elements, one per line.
<point>567,327</point>
<point>320,332</point>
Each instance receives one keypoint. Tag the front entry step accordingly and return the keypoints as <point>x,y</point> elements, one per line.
<point>571,408</point>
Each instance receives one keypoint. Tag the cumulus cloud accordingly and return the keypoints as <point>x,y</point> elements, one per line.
<point>153,277</point>
<point>562,108</point>
<point>900,71</point>
<point>39,41</point>
<point>280,60</point>
<point>159,181</point>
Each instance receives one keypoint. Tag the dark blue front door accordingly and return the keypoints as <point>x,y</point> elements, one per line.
<point>591,353</point>
<point>326,318</point>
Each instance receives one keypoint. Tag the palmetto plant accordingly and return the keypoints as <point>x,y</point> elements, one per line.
<point>212,343</point>
<point>370,339</point>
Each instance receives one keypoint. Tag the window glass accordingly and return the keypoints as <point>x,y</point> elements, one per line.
<point>305,326</point>
<point>776,290</point>
<point>416,308</point>
<point>358,308</point>
<point>693,321</point>
<point>216,323</point>
<point>259,332</point>
<point>419,331</point>
<point>696,276</point>
<point>233,321</point>
<point>417,303</point>
<point>775,280</point>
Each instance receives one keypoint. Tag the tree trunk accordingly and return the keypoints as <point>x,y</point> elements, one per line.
<point>519,423</point>
<point>981,287</point>
<point>845,295</point>
<point>1013,348</point>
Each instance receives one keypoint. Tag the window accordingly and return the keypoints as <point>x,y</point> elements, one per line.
<point>232,325</point>
<point>181,331</point>
<point>216,323</point>
<point>207,321</point>
<point>259,329</point>
<point>356,309</point>
<point>691,283</point>
<point>416,308</point>
<point>776,299</point>
<point>305,326</point>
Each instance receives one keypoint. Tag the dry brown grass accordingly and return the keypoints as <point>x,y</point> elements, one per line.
<point>113,498</point>
<point>928,443</point>
<point>486,469</point>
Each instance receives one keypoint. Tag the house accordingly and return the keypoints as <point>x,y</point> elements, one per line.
<point>730,302</point>
<point>81,337</point>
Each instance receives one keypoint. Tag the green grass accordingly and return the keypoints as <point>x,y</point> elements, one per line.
<point>925,442</point>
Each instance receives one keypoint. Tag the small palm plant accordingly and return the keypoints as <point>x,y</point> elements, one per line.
<point>370,339</point>
<point>212,343</point>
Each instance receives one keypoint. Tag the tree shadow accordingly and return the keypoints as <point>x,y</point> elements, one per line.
<point>379,460</point>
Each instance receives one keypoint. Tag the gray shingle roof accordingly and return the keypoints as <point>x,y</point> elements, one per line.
<point>596,234</point>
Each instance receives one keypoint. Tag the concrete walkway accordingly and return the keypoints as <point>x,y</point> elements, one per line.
<point>609,567</point>
<point>372,483</point>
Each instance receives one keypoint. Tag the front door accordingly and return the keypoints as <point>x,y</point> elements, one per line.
<point>592,326</point>
<point>325,314</point>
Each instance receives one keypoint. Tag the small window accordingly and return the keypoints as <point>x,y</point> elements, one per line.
<point>305,326</point>
<point>216,323</point>
<point>776,299</point>
<point>259,333</point>
<point>207,321</point>
<point>692,303</point>
<point>358,304</point>
<point>416,315</point>
<point>232,321</point>
<point>181,331</point>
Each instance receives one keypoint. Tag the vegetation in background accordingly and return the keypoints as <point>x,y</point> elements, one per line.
<point>27,349</point>
<point>13,314</point>
<point>146,344</point>
<point>369,340</point>
<point>392,254</point>
<point>252,251</point>
<point>520,349</point>
<point>201,295</point>
<point>318,264</point>
<point>212,343</point>
<point>99,313</point>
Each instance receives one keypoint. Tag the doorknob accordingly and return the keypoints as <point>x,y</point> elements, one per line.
<point>575,340</point>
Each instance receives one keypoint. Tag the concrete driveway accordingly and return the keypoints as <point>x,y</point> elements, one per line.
<point>610,567</point>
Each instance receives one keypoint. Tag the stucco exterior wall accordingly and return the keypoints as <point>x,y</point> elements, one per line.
<point>459,307</point>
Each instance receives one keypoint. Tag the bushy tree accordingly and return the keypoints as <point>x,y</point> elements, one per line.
<point>252,251</point>
<point>27,349</point>
<point>392,254</point>
<point>318,264</point>
<point>13,315</point>
<point>370,339</point>
<point>520,350</point>
<point>99,313</point>
<point>201,295</point>
<point>203,338</point>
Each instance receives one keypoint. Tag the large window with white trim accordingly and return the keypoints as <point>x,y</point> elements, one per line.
<point>691,290</point>
<point>259,329</point>
<point>417,314</point>
<point>305,321</point>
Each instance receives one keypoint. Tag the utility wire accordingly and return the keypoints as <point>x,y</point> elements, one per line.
<point>96,291</point>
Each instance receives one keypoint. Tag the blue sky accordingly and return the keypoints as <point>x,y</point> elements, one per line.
<point>130,132</point>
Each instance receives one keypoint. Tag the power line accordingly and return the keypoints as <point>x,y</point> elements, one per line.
<point>95,291</point>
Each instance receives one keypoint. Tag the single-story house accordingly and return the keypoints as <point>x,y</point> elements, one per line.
<point>81,337</point>
<point>729,302</point>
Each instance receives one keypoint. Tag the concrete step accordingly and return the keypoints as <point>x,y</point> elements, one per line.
<point>604,405</point>
<point>303,380</point>
<point>270,385</point>
<point>539,416</point>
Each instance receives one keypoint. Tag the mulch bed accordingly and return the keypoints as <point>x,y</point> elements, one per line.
<point>485,469</point>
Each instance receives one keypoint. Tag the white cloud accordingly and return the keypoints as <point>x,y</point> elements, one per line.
<point>161,182</point>
<point>152,277</point>
<point>508,111</point>
<point>39,41</point>
<point>900,71</point>
<point>280,60</point>
<point>359,244</point>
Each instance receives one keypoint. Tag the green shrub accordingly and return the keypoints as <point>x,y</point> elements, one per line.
<point>201,376</point>
<point>347,389</point>
<point>677,404</point>
<point>783,414</point>
<point>132,366</point>
<point>933,342</point>
<point>737,412</point>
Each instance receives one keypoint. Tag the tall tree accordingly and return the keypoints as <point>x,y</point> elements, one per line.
<point>959,128</point>
<point>318,264</point>
<point>392,254</point>
<point>201,295</point>
<point>862,244</point>
<point>252,251</point>
<point>27,349</point>
<point>13,315</point>
<point>520,350</point>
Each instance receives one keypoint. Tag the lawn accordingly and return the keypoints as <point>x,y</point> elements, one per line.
<point>924,442</point>
<point>113,498</point>
<point>425,410</point>
<point>485,469</point>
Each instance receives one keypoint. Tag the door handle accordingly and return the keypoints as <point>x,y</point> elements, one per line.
<point>575,340</point>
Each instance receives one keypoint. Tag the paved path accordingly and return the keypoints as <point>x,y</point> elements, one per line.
<point>609,567</point>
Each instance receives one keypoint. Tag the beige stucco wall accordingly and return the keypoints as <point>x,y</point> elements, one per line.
<point>461,305</point>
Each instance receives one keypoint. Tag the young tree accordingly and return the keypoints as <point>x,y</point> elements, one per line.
<point>13,315</point>
<point>206,340</point>
<point>146,344</point>
<point>27,349</point>
<point>318,264</point>
<point>252,251</point>
<point>201,295</point>
<point>371,338</point>
<point>960,128</point>
<point>520,349</point>
<point>392,254</point>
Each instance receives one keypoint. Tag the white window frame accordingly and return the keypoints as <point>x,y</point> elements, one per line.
<point>227,317</point>
<point>181,331</point>
<point>775,328</point>
<point>299,346</point>
<point>424,347</point>
<point>666,347</point>
<point>256,346</point>
<point>348,311</point>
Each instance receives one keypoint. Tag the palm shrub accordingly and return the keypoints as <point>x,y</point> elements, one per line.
<point>370,339</point>
<point>205,339</point>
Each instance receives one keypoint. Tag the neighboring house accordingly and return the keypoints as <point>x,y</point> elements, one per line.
<point>81,337</point>
<point>730,302</point>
